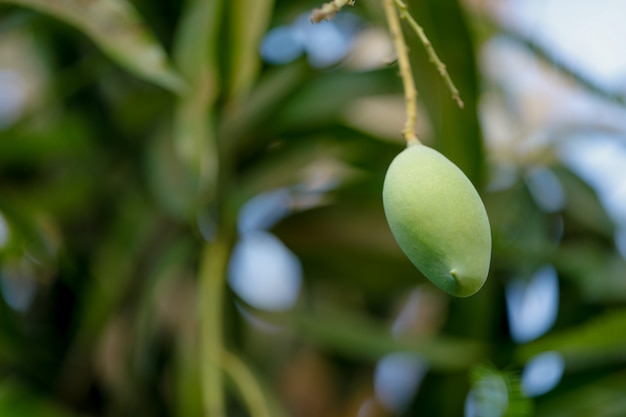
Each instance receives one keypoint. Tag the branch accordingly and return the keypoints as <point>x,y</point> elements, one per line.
<point>249,387</point>
<point>328,10</point>
<point>441,67</point>
<point>410,94</point>
<point>212,281</point>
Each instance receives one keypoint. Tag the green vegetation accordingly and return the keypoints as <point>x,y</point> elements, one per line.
<point>152,153</point>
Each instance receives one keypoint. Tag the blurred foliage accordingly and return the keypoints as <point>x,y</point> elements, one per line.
<point>117,174</point>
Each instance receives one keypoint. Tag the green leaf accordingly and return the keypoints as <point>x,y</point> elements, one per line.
<point>168,178</point>
<point>458,134</point>
<point>195,51</point>
<point>599,340</point>
<point>323,100</point>
<point>522,235</point>
<point>288,165</point>
<point>248,385</point>
<point>582,203</point>
<point>116,27</point>
<point>362,337</point>
<point>364,255</point>
<point>50,158</point>
<point>17,401</point>
<point>163,305</point>
<point>250,19</point>
<point>598,397</point>
<point>598,272</point>
<point>196,43</point>
<point>238,129</point>
<point>114,268</point>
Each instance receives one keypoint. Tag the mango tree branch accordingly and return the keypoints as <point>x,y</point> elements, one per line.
<point>410,94</point>
<point>328,10</point>
<point>441,67</point>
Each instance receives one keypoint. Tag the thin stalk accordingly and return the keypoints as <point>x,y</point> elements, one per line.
<point>212,281</point>
<point>410,93</point>
<point>328,10</point>
<point>441,67</point>
<point>248,385</point>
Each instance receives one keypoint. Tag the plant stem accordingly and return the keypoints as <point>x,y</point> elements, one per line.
<point>212,280</point>
<point>328,10</point>
<point>410,94</point>
<point>196,51</point>
<point>248,385</point>
<point>441,67</point>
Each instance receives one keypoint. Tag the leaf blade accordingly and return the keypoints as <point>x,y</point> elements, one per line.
<point>117,29</point>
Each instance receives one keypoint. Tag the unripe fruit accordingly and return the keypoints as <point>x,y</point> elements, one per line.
<point>438,219</point>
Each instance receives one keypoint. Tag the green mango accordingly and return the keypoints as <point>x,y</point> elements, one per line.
<point>438,219</point>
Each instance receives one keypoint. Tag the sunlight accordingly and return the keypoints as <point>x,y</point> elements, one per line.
<point>532,306</point>
<point>264,272</point>
<point>397,378</point>
<point>542,373</point>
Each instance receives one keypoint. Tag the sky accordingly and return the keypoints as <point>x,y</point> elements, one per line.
<point>587,37</point>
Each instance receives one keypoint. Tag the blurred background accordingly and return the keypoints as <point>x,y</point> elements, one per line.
<point>133,135</point>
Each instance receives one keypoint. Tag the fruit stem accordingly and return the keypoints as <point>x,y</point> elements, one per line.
<point>212,281</point>
<point>328,10</point>
<point>441,67</point>
<point>410,93</point>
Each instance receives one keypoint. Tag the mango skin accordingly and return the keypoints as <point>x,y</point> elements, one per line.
<point>438,220</point>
